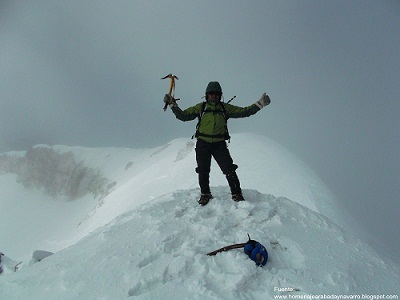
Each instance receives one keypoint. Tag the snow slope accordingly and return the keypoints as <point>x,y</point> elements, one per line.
<point>136,176</point>
<point>157,251</point>
<point>125,222</point>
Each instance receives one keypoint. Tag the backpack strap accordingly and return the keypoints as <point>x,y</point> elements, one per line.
<point>227,136</point>
<point>203,106</point>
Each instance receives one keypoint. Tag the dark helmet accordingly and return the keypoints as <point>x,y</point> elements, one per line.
<point>214,86</point>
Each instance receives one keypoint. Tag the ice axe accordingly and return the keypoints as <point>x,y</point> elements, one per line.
<point>171,87</point>
<point>227,248</point>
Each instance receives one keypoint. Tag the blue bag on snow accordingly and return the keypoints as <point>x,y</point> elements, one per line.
<point>256,252</point>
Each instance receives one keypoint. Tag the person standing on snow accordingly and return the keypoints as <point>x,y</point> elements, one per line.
<point>211,134</point>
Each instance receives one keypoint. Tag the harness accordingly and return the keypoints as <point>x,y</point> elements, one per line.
<point>204,110</point>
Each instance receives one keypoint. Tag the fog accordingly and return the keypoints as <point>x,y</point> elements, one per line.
<point>88,73</point>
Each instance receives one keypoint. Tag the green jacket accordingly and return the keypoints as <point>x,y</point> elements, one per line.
<point>212,127</point>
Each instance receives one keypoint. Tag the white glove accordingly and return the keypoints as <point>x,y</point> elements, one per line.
<point>264,101</point>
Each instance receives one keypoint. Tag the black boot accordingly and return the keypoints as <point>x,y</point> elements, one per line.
<point>205,198</point>
<point>237,197</point>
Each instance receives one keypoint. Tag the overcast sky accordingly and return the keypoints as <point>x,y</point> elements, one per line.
<point>88,73</point>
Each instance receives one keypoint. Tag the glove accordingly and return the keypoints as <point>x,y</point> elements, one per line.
<point>169,100</point>
<point>264,101</point>
<point>256,252</point>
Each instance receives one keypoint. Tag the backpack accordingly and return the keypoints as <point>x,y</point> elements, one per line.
<point>226,135</point>
<point>256,252</point>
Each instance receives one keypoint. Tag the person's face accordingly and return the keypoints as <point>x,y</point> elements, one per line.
<point>213,96</point>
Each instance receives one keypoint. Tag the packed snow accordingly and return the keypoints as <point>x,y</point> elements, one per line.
<point>112,223</point>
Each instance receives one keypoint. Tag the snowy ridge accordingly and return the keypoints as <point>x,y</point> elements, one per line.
<point>132,177</point>
<point>134,228</point>
<point>158,251</point>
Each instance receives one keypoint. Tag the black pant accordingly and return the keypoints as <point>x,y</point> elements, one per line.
<point>220,152</point>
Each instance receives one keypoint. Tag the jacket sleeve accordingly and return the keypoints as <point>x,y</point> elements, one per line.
<point>233,111</point>
<point>188,114</point>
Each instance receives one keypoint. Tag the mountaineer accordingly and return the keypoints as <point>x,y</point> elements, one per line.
<point>212,133</point>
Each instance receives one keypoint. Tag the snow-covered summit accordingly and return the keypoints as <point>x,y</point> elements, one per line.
<point>127,221</point>
<point>107,182</point>
<point>158,251</point>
